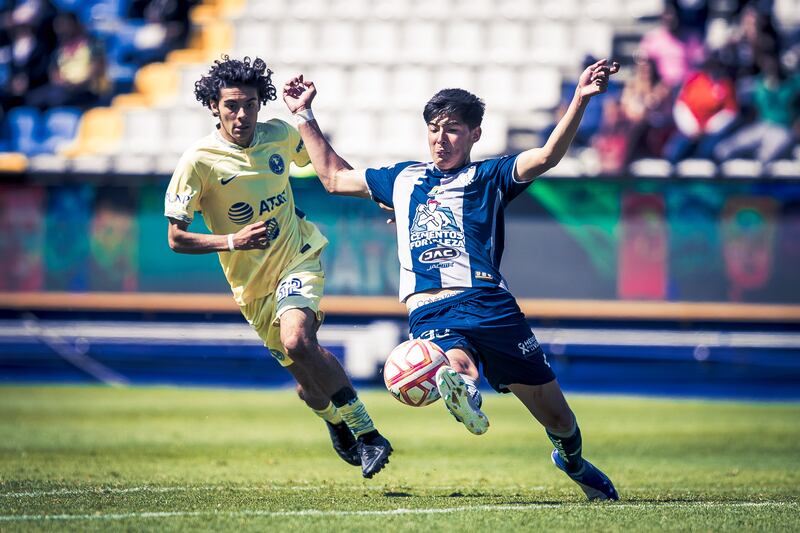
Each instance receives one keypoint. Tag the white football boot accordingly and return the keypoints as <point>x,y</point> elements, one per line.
<point>453,390</point>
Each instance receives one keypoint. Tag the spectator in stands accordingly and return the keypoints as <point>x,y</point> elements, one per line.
<point>166,28</point>
<point>674,50</point>
<point>776,99</point>
<point>28,63</point>
<point>704,112</point>
<point>77,71</point>
<point>646,103</point>
<point>611,139</point>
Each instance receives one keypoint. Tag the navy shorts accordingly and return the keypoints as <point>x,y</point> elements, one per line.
<point>488,323</point>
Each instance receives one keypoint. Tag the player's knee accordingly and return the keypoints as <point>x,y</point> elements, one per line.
<point>299,346</point>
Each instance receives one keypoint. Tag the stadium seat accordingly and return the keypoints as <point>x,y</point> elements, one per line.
<point>784,169</point>
<point>494,138</point>
<point>741,168</point>
<point>696,168</point>
<point>185,126</point>
<point>253,38</point>
<point>380,41</point>
<point>567,10</point>
<point>369,86</point>
<point>593,38</point>
<point>411,86</point>
<point>539,88</point>
<point>332,84</point>
<point>408,139</point>
<point>60,127</point>
<point>651,168</point>
<point>338,42</point>
<point>158,82</point>
<point>495,84</point>
<point>551,43</point>
<point>99,132</point>
<point>458,76</point>
<point>355,133</point>
<point>465,42</point>
<point>507,42</point>
<point>420,42</point>
<point>297,41</point>
<point>144,130</point>
<point>25,124</point>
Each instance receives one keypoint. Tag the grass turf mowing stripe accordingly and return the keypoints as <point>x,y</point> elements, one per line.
<point>390,512</point>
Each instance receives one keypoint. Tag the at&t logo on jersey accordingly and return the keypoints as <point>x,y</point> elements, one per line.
<point>240,213</point>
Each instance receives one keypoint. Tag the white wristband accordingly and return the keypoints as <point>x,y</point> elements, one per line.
<point>306,115</point>
<point>231,247</point>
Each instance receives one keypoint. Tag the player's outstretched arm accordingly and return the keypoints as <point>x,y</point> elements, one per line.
<point>336,174</point>
<point>593,81</point>
<point>251,237</point>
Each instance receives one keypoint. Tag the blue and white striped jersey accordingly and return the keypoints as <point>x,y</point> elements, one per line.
<point>450,228</point>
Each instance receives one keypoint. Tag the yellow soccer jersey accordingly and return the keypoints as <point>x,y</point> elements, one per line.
<point>234,186</point>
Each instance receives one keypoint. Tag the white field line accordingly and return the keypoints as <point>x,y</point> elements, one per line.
<point>389,512</point>
<point>157,490</point>
<point>467,491</point>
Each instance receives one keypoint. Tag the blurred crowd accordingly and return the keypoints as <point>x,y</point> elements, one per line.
<point>70,52</point>
<point>709,89</point>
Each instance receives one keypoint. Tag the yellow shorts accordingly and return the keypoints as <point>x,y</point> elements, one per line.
<point>299,287</point>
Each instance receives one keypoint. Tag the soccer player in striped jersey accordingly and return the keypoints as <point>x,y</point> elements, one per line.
<point>238,176</point>
<point>449,216</point>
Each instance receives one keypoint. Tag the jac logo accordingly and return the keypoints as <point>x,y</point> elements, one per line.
<point>439,254</point>
<point>240,213</point>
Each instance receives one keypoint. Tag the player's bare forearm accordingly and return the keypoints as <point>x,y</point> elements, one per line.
<point>536,161</point>
<point>251,237</point>
<point>335,173</point>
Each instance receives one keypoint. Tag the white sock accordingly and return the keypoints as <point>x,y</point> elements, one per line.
<point>472,390</point>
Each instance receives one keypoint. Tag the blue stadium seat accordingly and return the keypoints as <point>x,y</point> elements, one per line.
<point>25,124</point>
<point>60,127</point>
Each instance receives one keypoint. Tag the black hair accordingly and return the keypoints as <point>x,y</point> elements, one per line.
<point>458,103</point>
<point>227,72</point>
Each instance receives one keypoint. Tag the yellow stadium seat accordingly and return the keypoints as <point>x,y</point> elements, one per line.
<point>100,132</point>
<point>13,162</point>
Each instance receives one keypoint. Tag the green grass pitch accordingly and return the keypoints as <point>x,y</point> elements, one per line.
<point>165,459</point>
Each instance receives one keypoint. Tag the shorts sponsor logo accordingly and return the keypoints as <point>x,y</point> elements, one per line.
<point>438,255</point>
<point>528,345</point>
<point>289,287</point>
<point>276,164</point>
<point>433,334</point>
<point>277,354</point>
<point>240,213</point>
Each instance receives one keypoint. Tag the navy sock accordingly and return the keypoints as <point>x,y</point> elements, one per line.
<point>569,449</point>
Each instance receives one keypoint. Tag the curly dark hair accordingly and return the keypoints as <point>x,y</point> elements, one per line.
<point>455,102</point>
<point>227,72</point>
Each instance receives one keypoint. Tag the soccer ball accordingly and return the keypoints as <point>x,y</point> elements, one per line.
<point>410,370</point>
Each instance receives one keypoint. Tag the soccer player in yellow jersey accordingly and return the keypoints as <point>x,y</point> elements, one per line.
<point>238,177</point>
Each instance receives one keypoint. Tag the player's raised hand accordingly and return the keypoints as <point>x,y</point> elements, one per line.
<point>594,80</point>
<point>252,237</point>
<point>298,93</point>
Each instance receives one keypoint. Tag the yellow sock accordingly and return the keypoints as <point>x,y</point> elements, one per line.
<point>329,414</point>
<point>356,417</point>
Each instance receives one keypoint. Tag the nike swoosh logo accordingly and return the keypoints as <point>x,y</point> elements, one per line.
<point>224,181</point>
